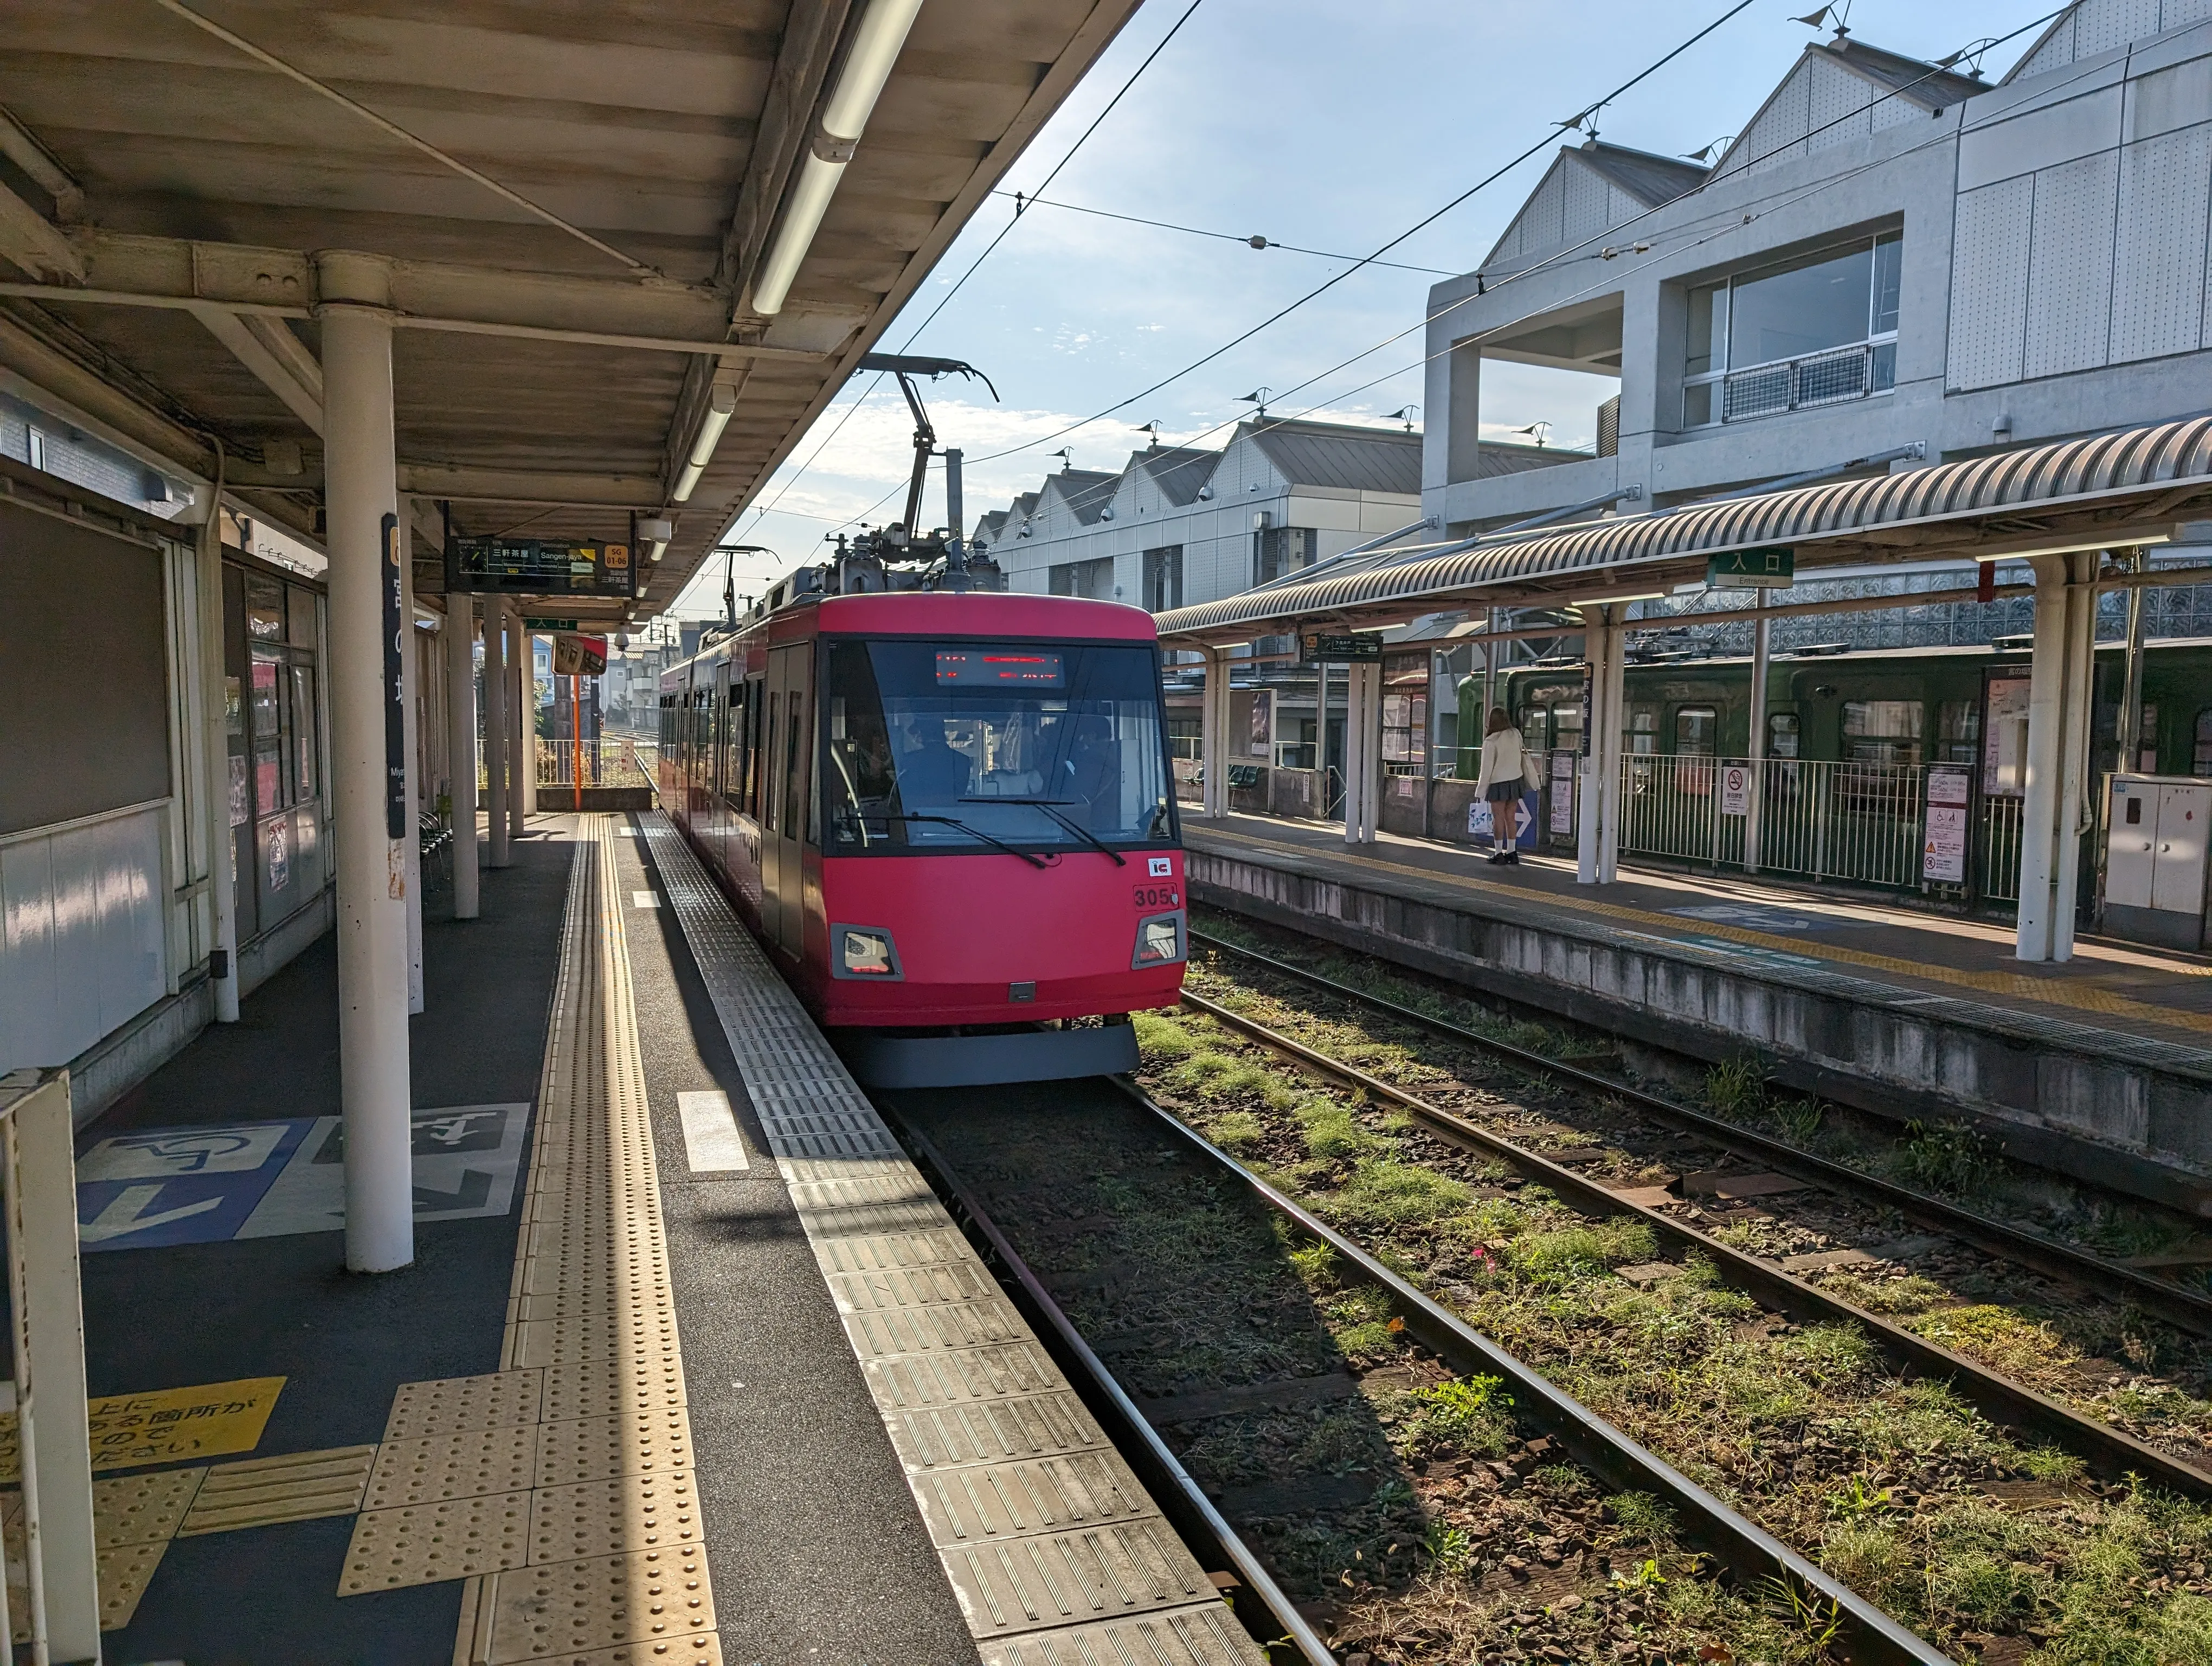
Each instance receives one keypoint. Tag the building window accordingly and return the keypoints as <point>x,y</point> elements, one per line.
<point>1279,549</point>
<point>1164,579</point>
<point>1091,579</point>
<point>1815,331</point>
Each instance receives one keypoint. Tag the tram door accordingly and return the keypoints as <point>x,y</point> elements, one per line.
<point>783,906</point>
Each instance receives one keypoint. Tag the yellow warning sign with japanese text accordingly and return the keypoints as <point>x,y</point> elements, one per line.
<point>165,1425</point>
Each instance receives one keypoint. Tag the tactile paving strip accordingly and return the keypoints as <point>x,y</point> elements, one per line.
<point>584,1544</point>
<point>141,1510</point>
<point>1057,1556</point>
<point>295,1487</point>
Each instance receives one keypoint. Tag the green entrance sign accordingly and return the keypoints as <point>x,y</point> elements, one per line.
<point>1751,569</point>
<point>532,623</point>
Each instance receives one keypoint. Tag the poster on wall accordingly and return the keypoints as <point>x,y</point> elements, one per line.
<point>1524,821</point>
<point>1943,849</point>
<point>2004,736</point>
<point>1263,723</point>
<point>1562,793</point>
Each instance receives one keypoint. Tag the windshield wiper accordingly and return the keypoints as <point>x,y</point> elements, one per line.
<point>1051,807</point>
<point>973,833</point>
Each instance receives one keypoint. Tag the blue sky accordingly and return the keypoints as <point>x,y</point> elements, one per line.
<point>1287,119</point>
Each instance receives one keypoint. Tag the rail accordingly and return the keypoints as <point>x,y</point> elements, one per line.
<point>2187,1310</point>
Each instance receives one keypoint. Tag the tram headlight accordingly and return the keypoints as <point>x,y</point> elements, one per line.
<point>864,952</point>
<point>1159,940</point>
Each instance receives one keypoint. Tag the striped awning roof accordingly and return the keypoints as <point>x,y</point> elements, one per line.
<point>2113,487</point>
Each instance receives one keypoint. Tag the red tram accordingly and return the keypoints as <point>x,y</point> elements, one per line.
<point>949,817</point>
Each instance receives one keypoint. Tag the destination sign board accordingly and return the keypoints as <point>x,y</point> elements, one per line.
<point>1317,649</point>
<point>539,566</point>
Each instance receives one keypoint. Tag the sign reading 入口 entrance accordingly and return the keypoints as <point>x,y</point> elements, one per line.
<point>1751,569</point>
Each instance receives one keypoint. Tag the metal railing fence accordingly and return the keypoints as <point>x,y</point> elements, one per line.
<point>608,761</point>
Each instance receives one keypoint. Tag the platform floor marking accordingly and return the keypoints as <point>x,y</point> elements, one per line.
<point>2081,996</point>
<point>559,1487</point>
<point>133,1519</point>
<point>162,1425</point>
<point>295,1487</point>
<point>711,1139</point>
<point>974,1407</point>
<point>643,899</point>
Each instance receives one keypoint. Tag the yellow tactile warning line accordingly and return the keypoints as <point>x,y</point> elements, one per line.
<point>1053,1551</point>
<point>559,1486</point>
<point>2051,991</point>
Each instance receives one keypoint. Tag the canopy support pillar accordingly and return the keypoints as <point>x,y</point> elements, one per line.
<point>2057,786</point>
<point>1213,733</point>
<point>1597,835</point>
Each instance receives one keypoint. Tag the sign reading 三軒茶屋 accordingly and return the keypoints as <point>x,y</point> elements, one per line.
<point>539,566</point>
<point>1321,650</point>
<point>1770,568</point>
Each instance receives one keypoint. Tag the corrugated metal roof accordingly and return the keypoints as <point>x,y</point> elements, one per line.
<point>1085,492</point>
<point>1177,470</point>
<point>2073,492</point>
<point>1330,454</point>
<point>1506,458</point>
<point>1651,179</point>
<point>1911,78</point>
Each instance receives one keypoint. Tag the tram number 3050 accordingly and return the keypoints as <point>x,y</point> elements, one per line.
<point>1158,897</point>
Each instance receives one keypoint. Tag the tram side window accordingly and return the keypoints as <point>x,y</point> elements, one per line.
<point>1781,737</point>
<point>1958,732</point>
<point>1882,732</point>
<point>1697,731</point>
<point>1643,730</point>
<point>1566,728</point>
<point>755,715</point>
<point>2200,762</point>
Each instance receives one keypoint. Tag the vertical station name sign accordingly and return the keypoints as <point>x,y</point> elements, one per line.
<point>539,566</point>
<point>395,689</point>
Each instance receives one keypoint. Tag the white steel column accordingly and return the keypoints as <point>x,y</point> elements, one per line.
<point>494,727</point>
<point>1616,709</point>
<point>459,636</point>
<point>2055,787</point>
<point>361,489</point>
<point>1762,643</point>
<point>411,680</point>
<point>1213,732</point>
<point>521,725</point>
<point>215,734</point>
<point>1597,835</point>
<point>1363,749</point>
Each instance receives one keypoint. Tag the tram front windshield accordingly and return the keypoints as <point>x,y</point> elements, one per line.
<point>965,745</point>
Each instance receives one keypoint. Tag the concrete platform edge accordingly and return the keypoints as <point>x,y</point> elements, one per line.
<point>2131,1123</point>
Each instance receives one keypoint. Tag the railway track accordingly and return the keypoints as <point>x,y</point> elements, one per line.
<point>1353,1447</point>
<point>1984,1529</point>
<point>2175,1302</point>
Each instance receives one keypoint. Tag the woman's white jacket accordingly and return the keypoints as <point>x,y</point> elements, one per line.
<point>1504,758</point>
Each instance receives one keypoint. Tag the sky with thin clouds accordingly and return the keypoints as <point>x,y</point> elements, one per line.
<point>1327,126</point>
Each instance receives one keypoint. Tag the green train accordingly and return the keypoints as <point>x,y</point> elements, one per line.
<point>1883,706</point>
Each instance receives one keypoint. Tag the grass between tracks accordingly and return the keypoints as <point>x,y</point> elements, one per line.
<point>1996,1551</point>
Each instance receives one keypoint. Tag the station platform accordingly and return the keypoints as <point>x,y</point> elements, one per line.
<point>690,1364</point>
<point>2101,1065</point>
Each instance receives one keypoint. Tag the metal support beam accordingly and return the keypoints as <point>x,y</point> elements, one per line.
<point>29,241</point>
<point>1597,843</point>
<point>460,639</point>
<point>522,728</point>
<point>276,371</point>
<point>215,737</point>
<point>1362,752</point>
<point>373,1040</point>
<point>411,681</point>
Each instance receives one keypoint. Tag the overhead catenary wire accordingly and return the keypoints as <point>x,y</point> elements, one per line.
<point>1689,237</point>
<point>945,299</point>
<point>1031,200</point>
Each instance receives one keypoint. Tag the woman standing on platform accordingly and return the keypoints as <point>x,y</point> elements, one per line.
<point>1506,776</point>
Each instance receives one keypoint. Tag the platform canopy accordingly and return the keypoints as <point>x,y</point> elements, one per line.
<point>584,210</point>
<point>2109,489</point>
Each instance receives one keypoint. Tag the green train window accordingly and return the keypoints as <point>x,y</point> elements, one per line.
<point>1643,729</point>
<point>2200,763</point>
<point>1697,731</point>
<point>1782,735</point>
<point>1881,731</point>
